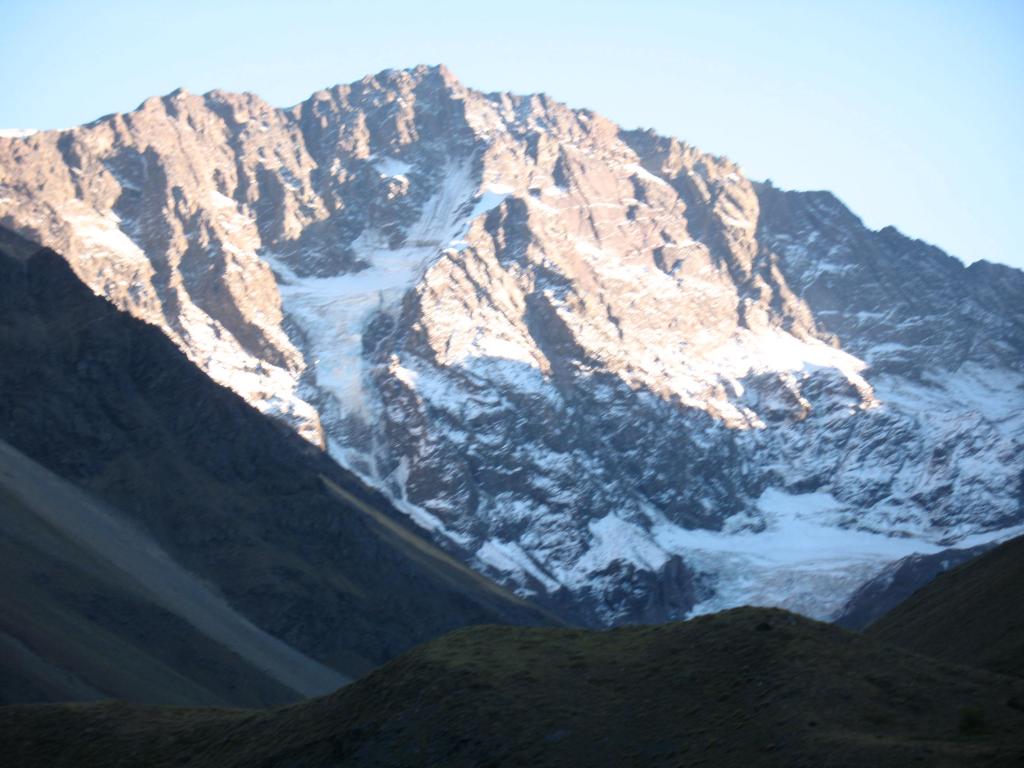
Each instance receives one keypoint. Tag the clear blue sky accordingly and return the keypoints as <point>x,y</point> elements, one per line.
<point>912,112</point>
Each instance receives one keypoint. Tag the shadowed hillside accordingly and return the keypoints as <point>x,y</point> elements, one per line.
<point>898,581</point>
<point>747,687</point>
<point>973,614</point>
<point>229,497</point>
<point>93,608</point>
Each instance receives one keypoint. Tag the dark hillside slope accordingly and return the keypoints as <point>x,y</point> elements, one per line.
<point>110,405</point>
<point>898,581</point>
<point>93,608</point>
<point>973,614</point>
<point>747,687</point>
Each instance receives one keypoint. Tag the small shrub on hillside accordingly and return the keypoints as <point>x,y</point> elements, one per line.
<point>972,721</point>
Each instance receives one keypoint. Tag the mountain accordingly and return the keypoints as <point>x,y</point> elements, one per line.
<point>969,615</point>
<point>165,542</point>
<point>747,687</point>
<point>596,364</point>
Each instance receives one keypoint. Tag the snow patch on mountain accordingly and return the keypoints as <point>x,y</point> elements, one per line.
<point>392,167</point>
<point>332,312</point>
<point>794,552</point>
<point>991,394</point>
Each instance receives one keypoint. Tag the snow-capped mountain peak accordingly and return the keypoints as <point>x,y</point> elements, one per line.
<point>600,365</point>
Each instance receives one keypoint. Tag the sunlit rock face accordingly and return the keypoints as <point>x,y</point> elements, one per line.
<point>599,365</point>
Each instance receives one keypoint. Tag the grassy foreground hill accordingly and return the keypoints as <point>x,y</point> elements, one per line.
<point>973,614</point>
<point>746,687</point>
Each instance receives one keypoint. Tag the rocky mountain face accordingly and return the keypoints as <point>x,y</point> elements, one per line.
<point>599,365</point>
